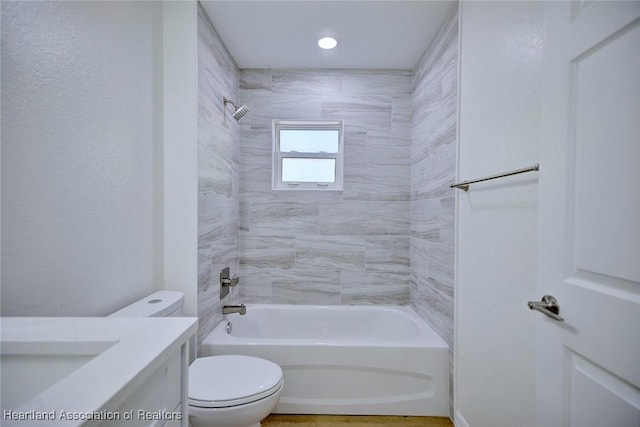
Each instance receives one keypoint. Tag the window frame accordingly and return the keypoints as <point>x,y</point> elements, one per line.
<point>277,155</point>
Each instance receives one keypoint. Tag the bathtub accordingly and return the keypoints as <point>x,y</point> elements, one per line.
<point>357,360</point>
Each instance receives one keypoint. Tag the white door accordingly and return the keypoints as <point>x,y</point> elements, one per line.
<point>588,366</point>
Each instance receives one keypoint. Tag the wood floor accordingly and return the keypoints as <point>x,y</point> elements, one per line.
<point>275,420</point>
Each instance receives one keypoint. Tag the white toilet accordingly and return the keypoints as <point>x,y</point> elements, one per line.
<point>224,391</point>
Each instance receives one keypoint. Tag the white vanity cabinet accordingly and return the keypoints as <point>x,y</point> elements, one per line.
<point>158,400</point>
<point>95,371</point>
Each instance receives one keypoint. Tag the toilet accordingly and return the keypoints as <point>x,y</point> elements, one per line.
<point>225,390</point>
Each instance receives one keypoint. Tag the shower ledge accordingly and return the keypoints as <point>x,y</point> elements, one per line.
<point>57,367</point>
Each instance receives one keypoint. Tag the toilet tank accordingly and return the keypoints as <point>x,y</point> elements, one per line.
<point>159,304</point>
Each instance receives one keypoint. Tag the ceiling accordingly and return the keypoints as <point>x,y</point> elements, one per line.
<point>371,34</point>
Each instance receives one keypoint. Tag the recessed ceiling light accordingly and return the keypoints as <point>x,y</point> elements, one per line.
<point>327,43</point>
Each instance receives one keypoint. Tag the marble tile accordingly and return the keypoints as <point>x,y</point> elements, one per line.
<point>436,129</point>
<point>386,148</point>
<point>368,279</point>
<point>209,312</point>
<point>425,219</point>
<point>419,256</point>
<point>437,309</point>
<point>384,82</point>
<point>401,117</point>
<point>356,149</point>
<point>370,112</point>
<point>433,163</point>
<point>204,266</point>
<point>399,218</point>
<point>269,252</point>
<point>255,285</point>
<point>450,80</point>
<point>224,253</point>
<point>441,263</point>
<point>387,255</point>
<point>444,43</point>
<point>447,221</point>
<point>378,182</point>
<point>215,48</point>
<point>302,196</point>
<point>245,216</point>
<point>255,81</point>
<point>256,147</point>
<point>390,294</point>
<point>267,107</point>
<point>330,253</point>
<point>432,176</point>
<point>305,287</point>
<point>218,173</point>
<point>427,99</point>
<point>388,279</point>
<point>353,279</point>
<point>306,82</point>
<point>217,217</point>
<point>259,185</point>
<point>260,114</point>
<point>297,107</point>
<point>376,108</point>
<point>339,218</point>
<point>215,158</point>
<point>278,218</point>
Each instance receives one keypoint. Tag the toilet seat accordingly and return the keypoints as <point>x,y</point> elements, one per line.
<point>232,380</point>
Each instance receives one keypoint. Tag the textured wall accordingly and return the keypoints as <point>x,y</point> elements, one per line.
<point>500,129</point>
<point>433,164</point>
<point>218,195</point>
<point>349,247</point>
<point>81,185</point>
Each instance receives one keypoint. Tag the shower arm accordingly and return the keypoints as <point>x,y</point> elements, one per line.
<point>228,101</point>
<point>239,111</point>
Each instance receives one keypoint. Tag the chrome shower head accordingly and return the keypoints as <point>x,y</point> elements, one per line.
<point>240,112</point>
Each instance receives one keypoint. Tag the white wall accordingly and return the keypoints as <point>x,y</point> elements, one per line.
<point>84,167</point>
<point>79,233</point>
<point>180,120</point>
<point>499,129</point>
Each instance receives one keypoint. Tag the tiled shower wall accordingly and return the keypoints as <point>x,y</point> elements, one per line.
<point>218,174</point>
<point>327,247</point>
<point>387,238</point>
<point>433,164</point>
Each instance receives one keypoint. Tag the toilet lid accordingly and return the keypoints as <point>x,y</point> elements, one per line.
<point>230,380</point>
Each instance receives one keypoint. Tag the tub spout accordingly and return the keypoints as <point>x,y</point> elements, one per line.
<point>228,309</point>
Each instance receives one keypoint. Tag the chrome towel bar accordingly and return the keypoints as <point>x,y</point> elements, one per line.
<point>464,185</point>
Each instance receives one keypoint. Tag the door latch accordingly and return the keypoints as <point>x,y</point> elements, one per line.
<point>547,306</point>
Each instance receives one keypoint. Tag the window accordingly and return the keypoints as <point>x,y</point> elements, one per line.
<point>307,155</point>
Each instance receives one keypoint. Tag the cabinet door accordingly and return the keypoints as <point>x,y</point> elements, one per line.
<point>157,400</point>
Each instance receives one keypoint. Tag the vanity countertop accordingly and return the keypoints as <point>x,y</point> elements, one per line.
<point>80,367</point>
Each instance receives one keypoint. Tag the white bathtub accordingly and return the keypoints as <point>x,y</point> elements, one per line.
<point>360,360</point>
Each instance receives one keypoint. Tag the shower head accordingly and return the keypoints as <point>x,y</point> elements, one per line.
<point>240,112</point>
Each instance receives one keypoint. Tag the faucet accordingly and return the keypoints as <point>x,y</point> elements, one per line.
<point>228,309</point>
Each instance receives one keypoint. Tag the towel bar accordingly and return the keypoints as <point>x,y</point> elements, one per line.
<point>464,185</point>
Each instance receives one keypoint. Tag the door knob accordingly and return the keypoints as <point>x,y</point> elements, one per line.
<point>548,306</point>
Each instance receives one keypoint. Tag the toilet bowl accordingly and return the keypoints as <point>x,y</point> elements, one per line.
<point>232,390</point>
<point>225,390</point>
